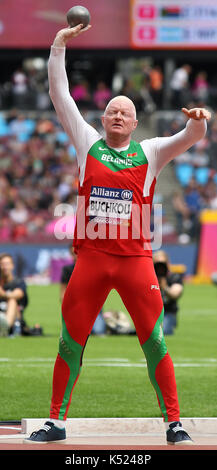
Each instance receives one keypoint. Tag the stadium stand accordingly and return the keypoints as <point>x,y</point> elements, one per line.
<point>38,170</point>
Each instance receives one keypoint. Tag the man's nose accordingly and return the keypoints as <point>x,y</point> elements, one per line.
<point>118,115</point>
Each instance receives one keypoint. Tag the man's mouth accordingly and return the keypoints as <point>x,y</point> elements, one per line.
<point>116,124</point>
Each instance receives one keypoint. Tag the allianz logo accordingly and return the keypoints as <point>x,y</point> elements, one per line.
<point>126,194</point>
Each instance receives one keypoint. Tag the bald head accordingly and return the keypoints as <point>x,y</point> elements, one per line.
<point>124,102</point>
<point>119,121</point>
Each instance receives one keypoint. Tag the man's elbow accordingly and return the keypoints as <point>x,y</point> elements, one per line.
<point>52,94</point>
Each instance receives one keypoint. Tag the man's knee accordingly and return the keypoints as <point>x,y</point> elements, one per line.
<point>155,347</point>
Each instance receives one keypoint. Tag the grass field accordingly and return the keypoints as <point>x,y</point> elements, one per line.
<point>114,380</point>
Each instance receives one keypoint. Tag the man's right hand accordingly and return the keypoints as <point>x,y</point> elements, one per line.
<point>64,35</point>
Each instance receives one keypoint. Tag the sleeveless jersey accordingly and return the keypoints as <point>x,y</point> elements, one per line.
<point>113,215</point>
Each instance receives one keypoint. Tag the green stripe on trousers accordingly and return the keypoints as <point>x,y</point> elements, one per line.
<point>155,349</point>
<point>71,353</point>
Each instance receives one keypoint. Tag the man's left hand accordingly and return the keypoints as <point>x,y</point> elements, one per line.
<point>197,113</point>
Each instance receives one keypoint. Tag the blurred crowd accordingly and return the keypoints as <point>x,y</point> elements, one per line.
<point>27,88</point>
<point>144,81</point>
<point>38,168</point>
<point>38,171</point>
<point>196,173</point>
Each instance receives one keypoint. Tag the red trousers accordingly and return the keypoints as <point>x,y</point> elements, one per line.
<point>134,278</point>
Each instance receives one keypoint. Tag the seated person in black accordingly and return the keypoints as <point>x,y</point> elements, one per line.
<point>171,286</point>
<point>66,273</point>
<point>13,296</point>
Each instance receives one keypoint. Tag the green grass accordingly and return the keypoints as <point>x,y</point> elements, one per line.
<point>103,390</point>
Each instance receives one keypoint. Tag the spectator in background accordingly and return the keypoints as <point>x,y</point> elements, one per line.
<point>5,229</point>
<point>213,145</point>
<point>66,273</point>
<point>171,286</point>
<point>19,216</point>
<point>118,323</point>
<point>156,85</point>
<point>200,89</point>
<point>18,126</point>
<point>129,89</point>
<point>13,298</point>
<point>29,170</point>
<point>65,186</point>
<point>182,212</point>
<point>81,94</point>
<point>180,86</point>
<point>209,194</point>
<point>194,203</point>
<point>213,197</point>
<point>19,88</point>
<point>19,213</point>
<point>101,95</point>
<point>200,156</point>
<point>43,127</point>
<point>147,103</point>
<point>172,127</point>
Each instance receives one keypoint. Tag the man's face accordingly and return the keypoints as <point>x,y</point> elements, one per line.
<point>6,266</point>
<point>120,117</point>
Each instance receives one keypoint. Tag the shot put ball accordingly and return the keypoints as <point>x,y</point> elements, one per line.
<point>77,15</point>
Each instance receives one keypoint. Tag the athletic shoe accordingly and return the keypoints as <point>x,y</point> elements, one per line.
<point>176,435</point>
<point>46,434</point>
<point>4,328</point>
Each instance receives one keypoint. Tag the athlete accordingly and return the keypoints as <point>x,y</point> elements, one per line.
<point>116,175</point>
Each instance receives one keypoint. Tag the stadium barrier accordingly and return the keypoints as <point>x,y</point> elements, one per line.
<point>42,263</point>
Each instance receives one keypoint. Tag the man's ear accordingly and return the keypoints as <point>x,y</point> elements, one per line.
<point>103,120</point>
<point>135,124</point>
